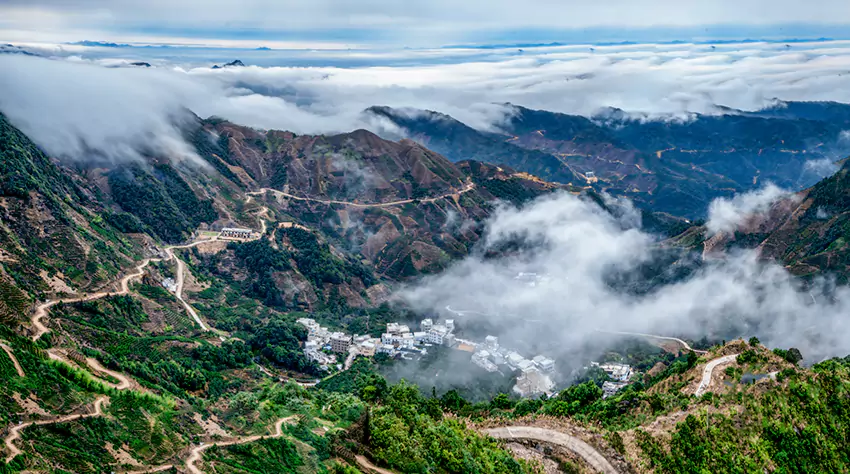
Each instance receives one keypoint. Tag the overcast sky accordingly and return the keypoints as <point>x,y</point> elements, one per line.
<point>414,23</point>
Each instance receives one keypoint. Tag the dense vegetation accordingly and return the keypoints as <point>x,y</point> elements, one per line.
<point>161,200</point>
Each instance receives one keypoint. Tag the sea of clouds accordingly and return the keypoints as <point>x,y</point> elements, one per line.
<point>77,99</point>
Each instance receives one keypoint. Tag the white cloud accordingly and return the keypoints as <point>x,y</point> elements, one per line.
<point>726,215</point>
<point>66,99</point>
<point>581,250</point>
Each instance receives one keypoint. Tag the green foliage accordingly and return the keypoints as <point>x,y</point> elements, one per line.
<point>279,341</point>
<point>161,200</point>
<point>315,261</point>
<point>511,190</point>
<point>754,341</point>
<point>800,427</point>
<point>409,435</point>
<point>792,355</point>
<point>261,260</point>
<point>266,456</point>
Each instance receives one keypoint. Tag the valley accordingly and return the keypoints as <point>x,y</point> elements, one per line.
<point>192,317</point>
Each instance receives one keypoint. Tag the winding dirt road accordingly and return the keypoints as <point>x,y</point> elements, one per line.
<point>369,467</point>
<point>684,344</point>
<point>707,372</point>
<point>466,188</point>
<point>11,355</point>
<point>197,452</point>
<point>15,432</point>
<point>124,285</point>
<point>590,455</point>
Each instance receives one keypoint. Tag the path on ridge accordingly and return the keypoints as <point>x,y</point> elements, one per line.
<point>590,455</point>
<point>707,372</point>
<point>197,452</point>
<point>124,285</point>
<point>654,336</point>
<point>15,432</point>
<point>466,188</point>
<point>11,355</point>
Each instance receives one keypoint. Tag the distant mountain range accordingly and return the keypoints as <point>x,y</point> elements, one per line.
<point>676,166</point>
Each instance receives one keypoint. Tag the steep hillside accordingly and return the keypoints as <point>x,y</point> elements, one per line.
<point>135,339</point>
<point>400,207</point>
<point>55,235</point>
<point>807,231</point>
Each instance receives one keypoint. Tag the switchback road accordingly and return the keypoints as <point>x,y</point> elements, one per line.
<point>197,452</point>
<point>15,432</point>
<point>707,372</point>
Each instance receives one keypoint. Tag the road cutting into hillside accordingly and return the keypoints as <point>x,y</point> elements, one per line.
<point>124,285</point>
<point>682,343</point>
<point>709,369</point>
<point>15,362</point>
<point>466,188</point>
<point>590,455</point>
<point>197,453</point>
<point>15,432</point>
<point>366,464</point>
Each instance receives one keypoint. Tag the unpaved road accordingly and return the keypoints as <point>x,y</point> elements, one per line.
<point>707,371</point>
<point>150,470</point>
<point>369,467</point>
<point>466,188</point>
<point>15,432</point>
<point>653,336</point>
<point>11,355</point>
<point>124,284</point>
<point>590,455</point>
<point>197,452</point>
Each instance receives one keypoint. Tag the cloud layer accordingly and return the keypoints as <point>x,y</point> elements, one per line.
<point>587,261</point>
<point>73,98</point>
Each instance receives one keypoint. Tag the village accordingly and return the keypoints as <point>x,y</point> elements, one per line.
<point>337,350</point>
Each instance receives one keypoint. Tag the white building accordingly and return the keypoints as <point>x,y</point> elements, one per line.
<point>367,349</point>
<point>611,388</point>
<point>533,382</point>
<point>427,324</point>
<point>480,359</point>
<point>420,337</point>
<point>618,372</point>
<point>545,364</point>
<point>395,328</point>
<point>340,342</point>
<point>234,233</point>
<point>450,324</point>
<point>491,342</point>
<point>437,334</point>
<point>513,358</point>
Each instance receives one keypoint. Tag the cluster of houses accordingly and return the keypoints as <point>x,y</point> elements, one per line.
<point>399,340</point>
<point>620,375</point>
<point>534,373</point>
<point>322,344</point>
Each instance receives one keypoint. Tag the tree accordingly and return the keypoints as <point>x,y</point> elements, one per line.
<point>502,402</point>
<point>794,355</point>
<point>754,341</point>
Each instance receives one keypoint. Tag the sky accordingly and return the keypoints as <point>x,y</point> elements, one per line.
<point>345,23</point>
